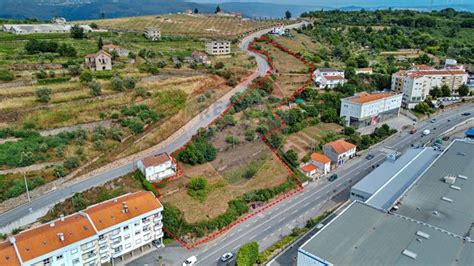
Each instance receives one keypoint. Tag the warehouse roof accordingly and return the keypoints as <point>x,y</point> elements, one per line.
<point>365,97</point>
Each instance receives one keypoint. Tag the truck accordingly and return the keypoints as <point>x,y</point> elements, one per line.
<point>426,132</point>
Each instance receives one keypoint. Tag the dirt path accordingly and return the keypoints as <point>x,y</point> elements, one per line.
<point>34,167</point>
<point>85,126</point>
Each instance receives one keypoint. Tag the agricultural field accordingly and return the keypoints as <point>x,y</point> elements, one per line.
<point>195,25</point>
<point>46,91</point>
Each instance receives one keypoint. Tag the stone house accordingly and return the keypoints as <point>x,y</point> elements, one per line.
<point>99,61</point>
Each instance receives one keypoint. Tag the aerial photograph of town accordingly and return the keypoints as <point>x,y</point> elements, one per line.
<point>236,132</point>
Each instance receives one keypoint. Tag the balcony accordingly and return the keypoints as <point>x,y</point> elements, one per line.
<point>116,244</point>
<point>159,235</point>
<point>88,256</point>
<point>158,227</point>
<point>103,241</point>
<point>157,219</point>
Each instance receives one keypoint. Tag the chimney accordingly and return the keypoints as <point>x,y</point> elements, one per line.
<point>125,207</point>
<point>51,224</point>
<point>61,217</point>
<point>61,237</point>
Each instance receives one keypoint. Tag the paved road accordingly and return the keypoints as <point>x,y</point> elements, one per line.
<point>267,227</point>
<point>22,214</point>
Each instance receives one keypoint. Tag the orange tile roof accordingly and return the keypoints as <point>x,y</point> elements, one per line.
<point>44,239</point>
<point>110,213</point>
<point>365,69</point>
<point>321,158</point>
<point>365,97</point>
<point>340,146</point>
<point>111,46</point>
<point>156,159</point>
<point>309,167</point>
<point>333,77</point>
<point>423,67</point>
<point>8,255</point>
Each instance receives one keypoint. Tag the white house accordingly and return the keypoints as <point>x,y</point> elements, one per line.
<point>321,161</point>
<point>339,151</point>
<point>279,30</point>
<point>157,167</point>
<point>309,170</point>
<point>107,233</point>
<point>218,47</point>
<point>328,77</point>
<point>365,109</point>
<point>121,52</point>
<point>98,61</point>
<point>152,33</point>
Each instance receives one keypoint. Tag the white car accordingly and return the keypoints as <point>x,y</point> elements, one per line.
<point>426,132</point>
<point>226,257</point>
<point>190,261</point>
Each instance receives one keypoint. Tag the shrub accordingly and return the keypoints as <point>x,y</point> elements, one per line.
<point>198,152</point>
<point>78,202</point>
<point>43,95</point>
<point>86,76</point>
<point>59,171</point>
<point>41,74</point>
<point>247,254</point>
<point>249,135</point>
<point>198,188</point>
<point>129,83</point>
<point>74,70</point>
<point>6,75</point>
<point>117,84</point>
<point>275,139</point>
<point>71,162</point>
<point>231,140</point>
<point>95,88</point>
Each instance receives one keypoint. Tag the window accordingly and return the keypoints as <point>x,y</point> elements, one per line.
<point>75,261</point>
<point>128,245</point>
<point>60,257</point>
<point>137,232</point>
<point>125,237</point>
<point>125,228</point>
<point>138,241</point>
<point>74,251</point>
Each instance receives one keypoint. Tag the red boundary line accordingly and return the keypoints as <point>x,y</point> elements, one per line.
<point>263,137</point>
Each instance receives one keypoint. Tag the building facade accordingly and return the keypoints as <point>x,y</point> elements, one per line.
<point>328,77</point>
<point>99,61</point>
<point>218,47</point>
<point>21,29</point>
<point>200,58</point>
<point>416,83</point>
<point>153,34</point>
<point>365,109</point>
<point>103,234</point>
<point>339,151</point>
<point>157,167</point>
<point>111,48</point>
<point>321,161</point>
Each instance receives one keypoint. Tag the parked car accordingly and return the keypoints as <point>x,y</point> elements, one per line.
<point>369,157</point>
<point>332,178</point>
<point>190,261</point>
<point>466,114</point>
<point>413,131</point>
<point>433,120</point>
<point>226,257</point>
<point>445,138</point>
<point>426,132</point>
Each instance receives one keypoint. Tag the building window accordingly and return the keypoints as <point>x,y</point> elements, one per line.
<point>128,245</point>
<point>125,237</point>
<point>74,251</point>
<point>125,228</point>
<point>60,257</point>
<point>75,261</point>
<point>137,232</point>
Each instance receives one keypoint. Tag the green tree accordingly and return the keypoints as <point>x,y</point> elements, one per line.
<point>292,157</point>
<point>100,43</point>
<point>247,254</point>
<point>287,14</point>
<point>117,84</point>
<point>77,32</point>
<point>86,76</point>
<point>78,202</point>
<point>463,90</point>
<point>446,92</point>
<point>275,140</point>
<point>95,88</point>
<point>196,11</point>
<point>198,183</point>
<point>218,9</point>
<point>129,83</point>
<point>43,95</point>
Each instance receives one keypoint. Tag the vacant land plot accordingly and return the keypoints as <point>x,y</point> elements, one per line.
<point>186,25</point>
<point>307,140</point>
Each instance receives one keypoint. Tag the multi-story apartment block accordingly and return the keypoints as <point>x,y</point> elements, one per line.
<point>218,47</point>
<point>365,109</point>
<point>104,234</point>
<point>152,33</point>
<point>328,77</point>
<point>416,83</point>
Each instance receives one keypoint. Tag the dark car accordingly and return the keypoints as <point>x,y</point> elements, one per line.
<point>332,178</point>
<point>445,138</point>
<point>369,157</point>
<point>466,114</point>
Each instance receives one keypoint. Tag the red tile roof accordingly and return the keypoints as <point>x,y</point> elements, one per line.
<point>111,212</point>
<point>156,160</point>
<point>340,146</point>
<point>309,167</point>
<point>321,158</point>
<point>8,255</point>
<point>45,238</point>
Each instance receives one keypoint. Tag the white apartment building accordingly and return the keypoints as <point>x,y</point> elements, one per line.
<point>416,83</point>
<point>328,77</point>
<point>339,151</point>
<point>157,167</point>
<point>218,47</point>
<point>365,109</point>
<point>107,233</point>
<point>152,33</point>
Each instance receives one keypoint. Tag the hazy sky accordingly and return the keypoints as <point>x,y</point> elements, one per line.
<point>336,3</point>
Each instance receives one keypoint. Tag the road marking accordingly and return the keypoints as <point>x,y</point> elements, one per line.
<point>267,228</point>
<point>281,220</point>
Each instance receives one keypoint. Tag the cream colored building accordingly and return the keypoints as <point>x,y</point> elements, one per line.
<point>218,47</point>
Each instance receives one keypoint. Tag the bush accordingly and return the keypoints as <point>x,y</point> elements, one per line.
<point>59,171</point>
<point>117,84</point>
<point>71,162</point>
<point>78,202</point>
<point>95,88</point>
<point>198,188</point>
<point>198,152</point>
<point>74,70</point>
<point>41,74</point>
<point>129,83</point>
<point>43,95</point>
<point>6,75</point>
<point>275,139</point>
<point>86,76</point>
<point>247,254</point>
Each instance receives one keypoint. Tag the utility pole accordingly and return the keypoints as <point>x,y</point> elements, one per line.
<point>26,185</point>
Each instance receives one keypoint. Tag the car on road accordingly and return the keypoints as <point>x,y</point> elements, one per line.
<point>426,132</point>
<point>466,114</point>
<point>433,120</point>
<point>226,257</point>
<point>369,157</point>
<point>332,178</point>
<point>413,131</point>
<point>445,138</point>
<point>190,261</point>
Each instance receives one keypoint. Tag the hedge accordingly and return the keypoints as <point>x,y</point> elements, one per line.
<point>247,254</point>
<point>53,80</point>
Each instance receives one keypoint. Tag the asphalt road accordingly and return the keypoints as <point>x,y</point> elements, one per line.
<point>16,217</point>
<point>268,227</point>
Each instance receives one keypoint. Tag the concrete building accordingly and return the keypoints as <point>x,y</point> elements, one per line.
<point>152,33</point>
<point>310,170</point>
<point>121,52</point>
<point>41,28</point>
<point>103,234</point>
<point>339,151</point>
<point>200,58</point>
<point>416,83</point>
<point>157,167</point>
<point>427,223</point>
<point>364,70</point>
<point>99,61</point>
<point>328,77</point>
<point>321,161</point>
<point>365,109</point>
<point>218,47</point>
